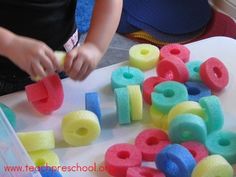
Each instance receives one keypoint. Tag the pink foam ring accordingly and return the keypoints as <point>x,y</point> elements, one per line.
<point>214,74</point>
<point>36,92</point>
<point>55,94</point>
<point>176,50</point>
<point>172,68</point>
<point>144,172</point>
<point>151,142</point>
<point>198,150</point>
<point>120,157</point>
<point>148,87</point>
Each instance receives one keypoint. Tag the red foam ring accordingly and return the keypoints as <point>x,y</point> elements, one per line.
<point>120,157</point>
<point>214,74</point>
<point>198,150</point>
<point>176,50</point>
<point>148,87</point>
<point>151,142</point>
<point>144,172</point>
<point>36,92</point>
<point>172,68</point>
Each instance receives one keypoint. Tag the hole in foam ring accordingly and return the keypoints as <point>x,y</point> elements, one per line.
<point>169,93</point>
<point>217,72</point>
<point>172,169</point>
<point>186,135</point>
<point>128,75</point>
<point>82,131</point>
<point>144,51</point>
<point>40,162</point>
<point>152,141</point>
<point>123,154</point>
<point>193,91</point>
<point>196,69</point>
<point>174,51</point>
<point>224,142</point>
<point>145,174</point>
<point>193,153</point>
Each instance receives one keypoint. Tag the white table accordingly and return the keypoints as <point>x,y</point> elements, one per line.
<point>29,120</point>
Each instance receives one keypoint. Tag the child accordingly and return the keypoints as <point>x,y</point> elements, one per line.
<point>31,30</point>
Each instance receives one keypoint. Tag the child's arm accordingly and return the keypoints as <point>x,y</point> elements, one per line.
<point>32,56</point>
<point>82,60</point>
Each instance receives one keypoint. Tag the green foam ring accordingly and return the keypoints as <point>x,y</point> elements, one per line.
<point>37,140</point>
<point>45,158</point>
<point>168,94</point>
<point>183,108</point>
<point>136,102</point>
<point>187,127</point>
<point>80,128</point>
<point>122,105</point>
<point>158,118</point>
<point>214,116</point>
<point>125,76</point>
<point>11,116</point>
<point>144,56</point>
<point>213,166</point>
<point>222,143</point>
<point>193,70</point>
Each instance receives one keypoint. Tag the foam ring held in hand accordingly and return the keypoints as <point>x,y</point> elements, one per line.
<point>214,116</point>
<point>177,50</point>
<point>224,144</point>
<point>148,87</point>
<point>193,70</point>
<point>92,103</point>
<point>38,140</point>
<point>9,113</point>
<point>175,161</point>
<point>212,166</point>
<point>144,172</point>
<point>125,76</point>
<point>80,128</point>
<point>198,150</point>
<point>151,142</point>
<point>122,105</point>
<point>168,94</point>
<point>214,74</point>
<point>187,127</point>
<point>158,118</point>
<point>47,171</point>
<point>197,90</point>
<point>120,157</point>
<point>136,102</point>
<point>144,56</point>
<point>172,68</point>
<point>44,158</point>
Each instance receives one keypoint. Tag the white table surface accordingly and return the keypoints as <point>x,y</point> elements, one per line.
<point>29,120</point>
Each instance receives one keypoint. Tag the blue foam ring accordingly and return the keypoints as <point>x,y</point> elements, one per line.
<point>197,90</point>
<point>222,143</point>
<point>11,116</point>
<point>47,171</point>
<point>214,117</point>
<point>92,103</point>
<point>187,127</point>
<point>175,161</point>
<point>125,76</point>
<point>193,70</point>
<point>122,105</point>
<point>168,94</point>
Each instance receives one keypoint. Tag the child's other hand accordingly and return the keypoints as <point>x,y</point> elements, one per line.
<point>33,56</point>
<point>81,61</point>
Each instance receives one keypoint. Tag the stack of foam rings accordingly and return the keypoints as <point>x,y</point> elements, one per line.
<point>188,140</point>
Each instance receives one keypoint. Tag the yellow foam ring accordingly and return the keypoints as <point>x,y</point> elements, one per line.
<point>44,157</point>
<point>38,140</point>
<point>80,128</point>
<point>158,118</point>
<point>144,56</point>
<point>213,166</point>
<point>136,102</point>
<point>60,56</point>
<point>185,107</point>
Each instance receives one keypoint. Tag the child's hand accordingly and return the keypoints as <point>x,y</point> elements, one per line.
<point>33,56</point>
<point>81,61</point>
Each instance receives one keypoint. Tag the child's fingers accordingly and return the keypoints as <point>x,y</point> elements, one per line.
<point>52,57</point>
<point>82,74</point>
<point>77,65</point>
<point>47,64</point>
<point>69,61</point>
<point>38,70</point>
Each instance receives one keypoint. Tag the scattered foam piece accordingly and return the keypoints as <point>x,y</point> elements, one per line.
<point>193,70</point>
<point>144,172</point>
<point>47,171</point>
<point>9,113</point>
<point>159,119</point>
